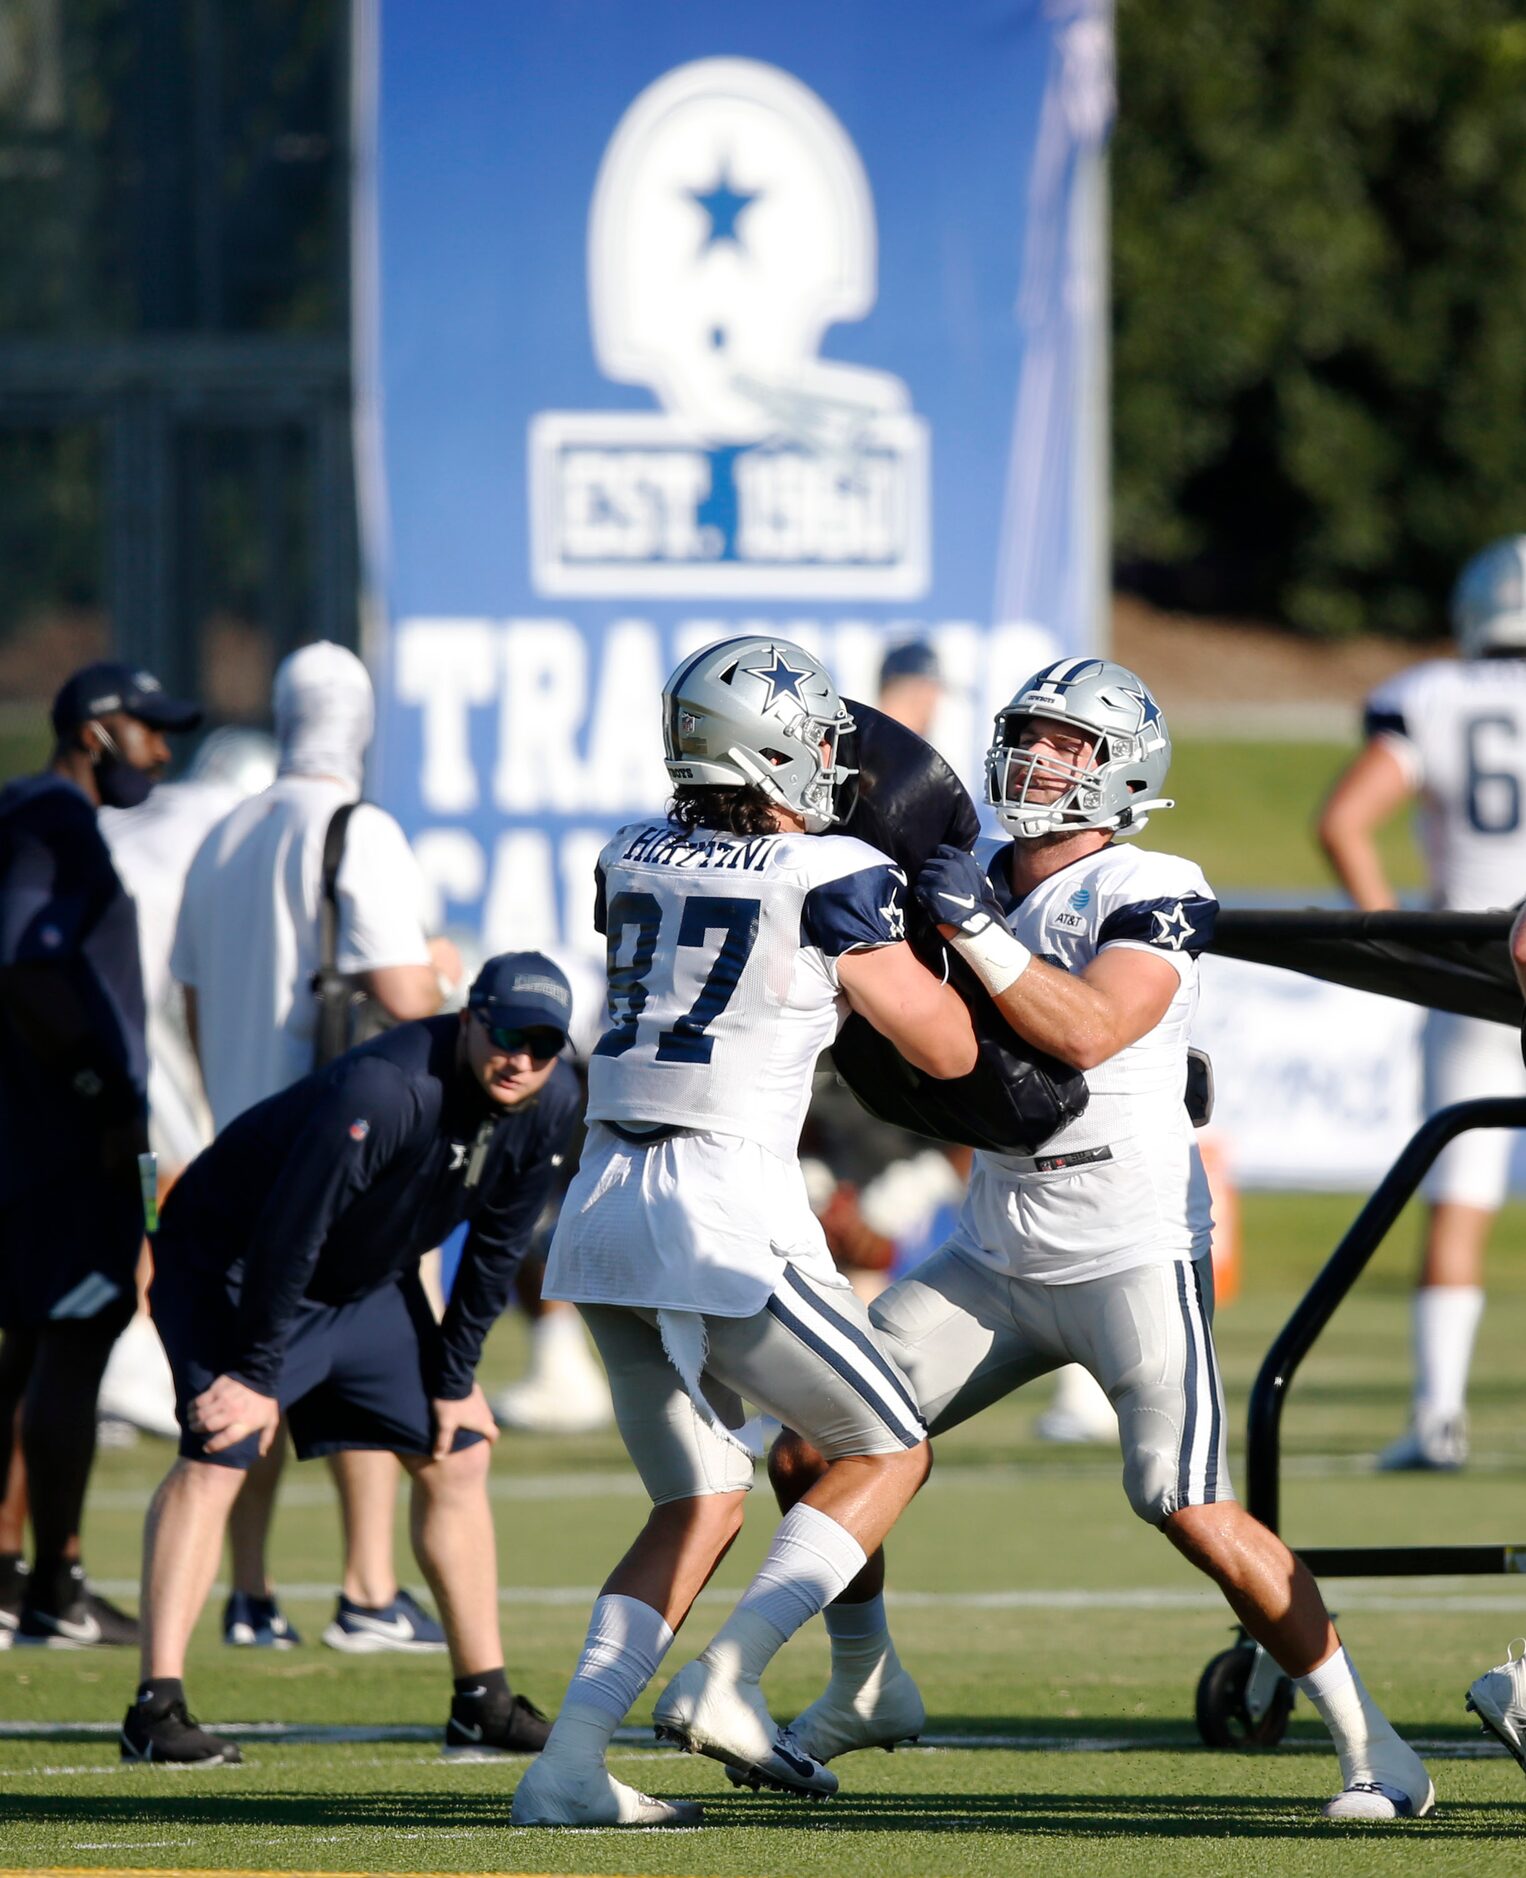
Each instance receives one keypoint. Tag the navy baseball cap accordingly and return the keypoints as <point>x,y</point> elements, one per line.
<point>110,686</point>
<point>522,991</point>
<point>914,659</point>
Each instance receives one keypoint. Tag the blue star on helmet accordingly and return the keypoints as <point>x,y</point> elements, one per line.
<point>1149,710</point>
<point>1172,929</point>
<point>724,206</point>
<point>783,680</point>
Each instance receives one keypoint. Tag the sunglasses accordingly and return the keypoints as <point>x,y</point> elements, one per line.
<point>541,1044</point>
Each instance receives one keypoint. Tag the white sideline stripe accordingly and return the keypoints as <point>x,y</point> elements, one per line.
<point>623,1483</point>
<point>300,1735</point>
<point>1355,1594</point>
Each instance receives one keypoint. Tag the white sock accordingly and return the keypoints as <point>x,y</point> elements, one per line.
<point>1445,1325</point>
<point>557,1342</point>
<point>626,1641</point>
<point>863,1652</point>
<point>811,1559</point>
<point>1365,1742</point>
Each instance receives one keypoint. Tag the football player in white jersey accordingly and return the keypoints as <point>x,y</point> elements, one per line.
<point>1451,733</point>
<point>1095,1251</point>
<point>739,933</point>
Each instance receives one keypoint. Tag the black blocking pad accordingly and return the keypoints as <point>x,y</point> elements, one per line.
<point>910,802</point>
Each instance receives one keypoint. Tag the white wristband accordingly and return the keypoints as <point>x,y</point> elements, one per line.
<point>993,955</point>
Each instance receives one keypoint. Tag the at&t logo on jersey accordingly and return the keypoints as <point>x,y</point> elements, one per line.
<point>732,224</point>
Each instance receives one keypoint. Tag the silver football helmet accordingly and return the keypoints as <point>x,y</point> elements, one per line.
<point>758,710</point>
<point>1489,600</point>
<point>1130,754</point>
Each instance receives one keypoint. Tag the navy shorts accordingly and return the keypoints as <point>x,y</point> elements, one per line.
<point>69,1253</point>
<point>355,1375</point>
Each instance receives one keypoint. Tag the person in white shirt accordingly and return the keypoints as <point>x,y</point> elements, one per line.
<point>246,948</point>
<point>1451,734</point>
<point>1095,1251</point>
<point>739,932</point>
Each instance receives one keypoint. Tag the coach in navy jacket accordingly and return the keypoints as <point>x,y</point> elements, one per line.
<point>286,1281</point>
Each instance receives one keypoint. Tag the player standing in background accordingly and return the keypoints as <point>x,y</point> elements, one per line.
<point>73,1121</point>
<point>739,933</point>
<point>1452,734</point>
<point>1097,1250</point>
<point>246,948</point>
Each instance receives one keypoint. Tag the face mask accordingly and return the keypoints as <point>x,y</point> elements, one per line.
<point>120,784</point>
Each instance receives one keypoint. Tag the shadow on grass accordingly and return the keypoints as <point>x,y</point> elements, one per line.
<point>1058,1815</point>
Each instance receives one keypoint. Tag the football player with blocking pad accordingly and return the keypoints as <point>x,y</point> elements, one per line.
<point>1095,1250</point>
<point>739,932</point>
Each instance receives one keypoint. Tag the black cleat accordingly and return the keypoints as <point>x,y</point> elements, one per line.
<point>170,1737</point>
<point>473,1734</point>
<point>78,1619</point>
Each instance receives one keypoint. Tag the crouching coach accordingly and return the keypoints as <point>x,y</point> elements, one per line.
<point>286,1281</point>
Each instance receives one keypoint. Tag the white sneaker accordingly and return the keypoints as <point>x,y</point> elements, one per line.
<point>1080,1411</point>
<point>706,1711</point>
<point>1498,1699</point>
<point>878,1715</point>
<point>1431,1444</point>
<point>1375,1799</point>
<point>553,1795</point>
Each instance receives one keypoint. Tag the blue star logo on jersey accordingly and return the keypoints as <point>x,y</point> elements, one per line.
<point>783,679</point>
<point>895,918</point>
<point>1172,929</point>
<point>724,206</point>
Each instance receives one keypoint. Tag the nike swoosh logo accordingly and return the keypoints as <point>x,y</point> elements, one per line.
<point>796,1762</point>
<point>88,1630</point>
<point>958,899</point>
<point>397,1627</point>
<point>481,1689</point>
<point>466,1728</point>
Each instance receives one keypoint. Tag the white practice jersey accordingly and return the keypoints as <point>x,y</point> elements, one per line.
<point>1459,729</point>
<point>723,986</point>
<point>1132,1191</point>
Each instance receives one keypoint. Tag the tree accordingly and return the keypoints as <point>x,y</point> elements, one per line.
<point>1319,283</point>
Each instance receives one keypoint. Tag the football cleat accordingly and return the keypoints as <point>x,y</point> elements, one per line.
<point>78,1619</point>
<point>1376,1800</point>
<point>704,1711</point>
<point>1498,1699</point>
<point>553,1794</point>
<point>472,1735</point>
<point>362,1629</point>
<point>1435,1444</point>
<point>171,1737</point>
<point>878,1715</point>
<point>251,1623</point>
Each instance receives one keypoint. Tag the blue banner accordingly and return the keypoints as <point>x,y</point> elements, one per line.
<point>674,321</point>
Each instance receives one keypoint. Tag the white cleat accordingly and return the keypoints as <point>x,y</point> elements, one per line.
<point>1432,1444</point>
<point>1079,1412</point>
<point>1376,1800</point>
<point>552,1795</point>
<point>1498,1699</point>
<point>880,1714</point>
<point>705,1711</point>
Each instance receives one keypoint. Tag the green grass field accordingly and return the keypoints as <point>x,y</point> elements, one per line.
<point>1057,1640</point>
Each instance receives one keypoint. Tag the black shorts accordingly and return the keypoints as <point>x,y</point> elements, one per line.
<point>69,1253</point>
<point>355,1375</point>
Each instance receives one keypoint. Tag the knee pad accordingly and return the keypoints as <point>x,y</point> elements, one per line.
<point>1150,1467</point>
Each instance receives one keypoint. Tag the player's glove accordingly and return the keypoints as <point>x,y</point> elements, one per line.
<point>954,890</point>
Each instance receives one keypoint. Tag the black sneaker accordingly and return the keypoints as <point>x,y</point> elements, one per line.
<point>13,1589</point>
<point>74,1618</point>
<point>171,1736</point>
<point>473,1734</point>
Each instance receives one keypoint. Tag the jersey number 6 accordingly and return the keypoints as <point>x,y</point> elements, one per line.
<point>703,914</point>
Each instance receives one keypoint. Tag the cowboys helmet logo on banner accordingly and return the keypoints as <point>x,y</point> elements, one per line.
<point>731,226</point>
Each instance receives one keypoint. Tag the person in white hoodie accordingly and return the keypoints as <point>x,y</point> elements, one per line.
<point>246,948</point>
